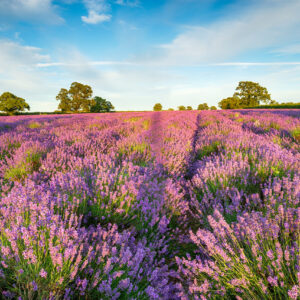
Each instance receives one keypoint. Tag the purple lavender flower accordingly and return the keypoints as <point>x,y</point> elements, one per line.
<point>294,292</point>
<point>43,273</point>
<point>109,202</point>
<point>34,286</point>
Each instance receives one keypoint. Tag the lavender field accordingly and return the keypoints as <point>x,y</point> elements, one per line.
<point>154,205</point>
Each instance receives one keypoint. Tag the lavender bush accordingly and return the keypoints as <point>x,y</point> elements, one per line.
<point>160,205</point>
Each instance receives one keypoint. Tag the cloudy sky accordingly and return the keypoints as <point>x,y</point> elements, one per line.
<point>136,53</point>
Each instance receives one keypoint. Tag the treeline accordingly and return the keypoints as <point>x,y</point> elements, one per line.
<point>203,106</point>
<point>77,99</point>
<point>33,113</point>
<point>248,94</point>
<point>289,105</point>
<point>36,113</point>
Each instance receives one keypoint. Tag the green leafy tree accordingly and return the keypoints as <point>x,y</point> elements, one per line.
<point>81,96</point>
<point>203,106</point>
<point>65,104</point>
<point>181,107</point>
<point>101,105</point>
<point>157,107</point>
<point>252,94</point>
<point>230,103</point>
<point>189,108</point>
<point>12,104</point>
<point>171,109</point>
<point>76,99</point>
<point>213,108</point>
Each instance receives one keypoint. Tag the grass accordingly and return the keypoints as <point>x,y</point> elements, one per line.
<point>173,125</point>
<point>34,125</point>
<point>296,134</point>
<point>146,124</point>
<point>98,125</point>
<point>139,153</point>
<point>30,164</point>
<point>132,119</point>
<point>213,148</point>
<point>240,120</point>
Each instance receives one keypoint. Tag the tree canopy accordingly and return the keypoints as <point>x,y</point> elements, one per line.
<point>65,104</point>
<point>12,104</point>
<point>203,106</point>
<point>101,105</point>
<point>248,94</point>
<point>181,107</point>
<point>230,103</point>
<point>251,94</point>
<point>76,99</point>
<point>189,108</point>
<point>213,108</point>
<point>157,107</point>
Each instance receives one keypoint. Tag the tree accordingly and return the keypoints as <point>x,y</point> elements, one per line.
<point>203,106</point>
<point>171,109</point>
<point>11,104</point>
<point>230,103</point>
<point>101,105</point>
<point>189,108</point>
<point>251,94</point>
<point>65,104</point>
<point>213,108</point>
<point>181,107</point>
<point>157,107</point>
<point>76,99</point>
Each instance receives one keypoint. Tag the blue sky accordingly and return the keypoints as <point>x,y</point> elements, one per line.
<point>136,53</point>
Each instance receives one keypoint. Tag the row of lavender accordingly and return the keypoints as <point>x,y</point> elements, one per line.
<point>86,207</point>
<point>245,177</point>
<point>150,206</point>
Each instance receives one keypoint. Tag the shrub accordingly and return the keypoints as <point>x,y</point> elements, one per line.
<point>255,258</point>
<point>157,107</point>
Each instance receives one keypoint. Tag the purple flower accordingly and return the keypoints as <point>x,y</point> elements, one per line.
<point>294,292</point>
<point>273,280</point>
<point>270,254</point>
<point>43,273</point>
<point>34,286</point>
<point>110,200</point>
<point>4,264</point>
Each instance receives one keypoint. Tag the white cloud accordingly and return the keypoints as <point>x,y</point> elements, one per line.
<point>96,5</point>
<point>13,54</point>
<point>95,18</point>
<point>30,73</point>
<point>97,11</point>
<point>128,2</point>
<point>266,24</point>
<point>131,63</point>
<point>29,10</point>
<point>137,85</point>
<point>19,75</point>
<point>89,63</point>
<point>126,84</point>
